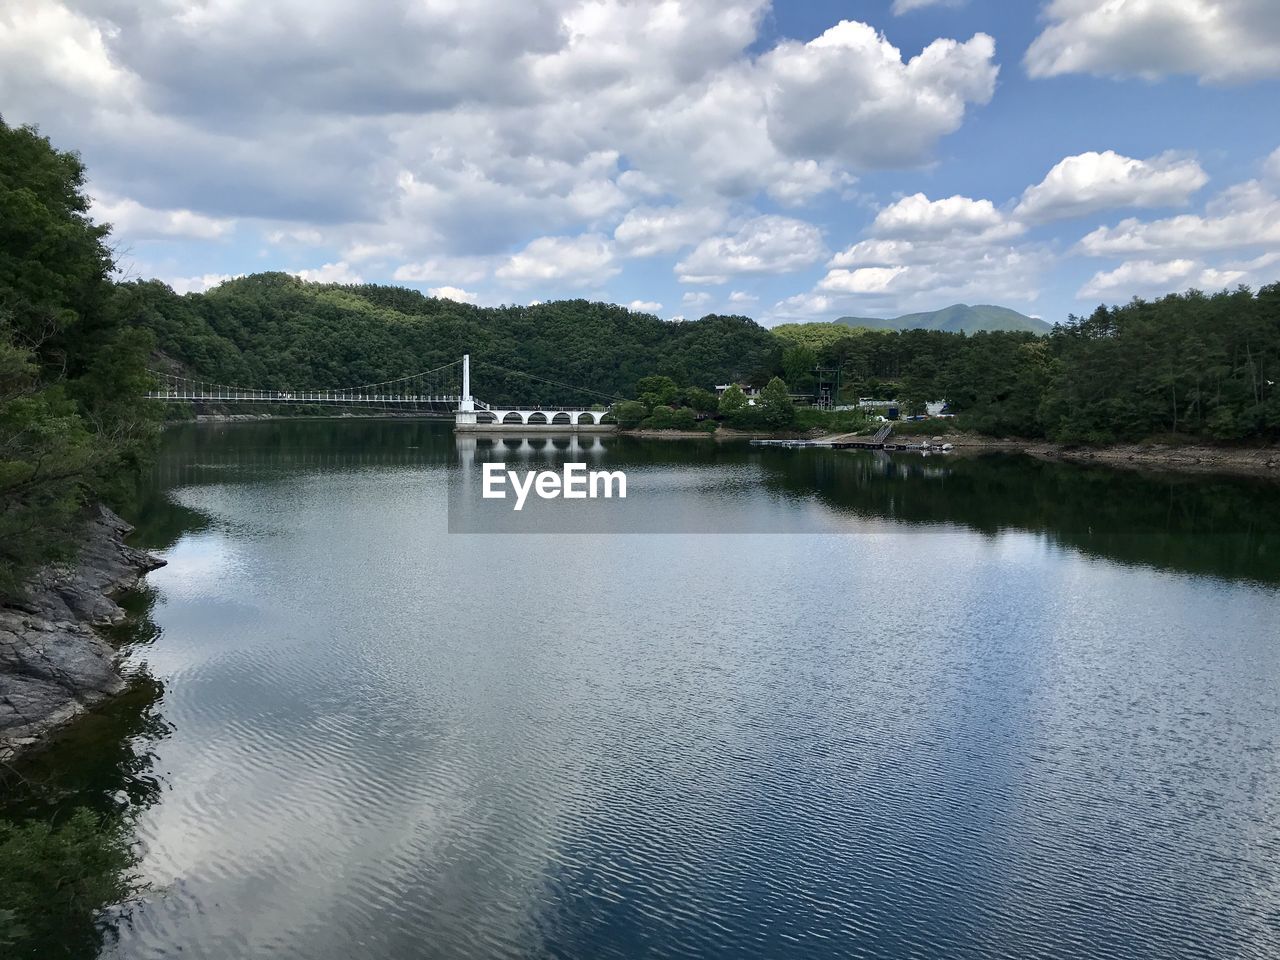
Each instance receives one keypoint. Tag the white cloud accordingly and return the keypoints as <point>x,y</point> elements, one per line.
<point>907,6</point>
<point>1219,41</point>
<point>862,280</point>
<point>130,220</point>
<point>763,245</point>
<point>1091,182</point>
<point>576,261</point>
<point>454,293</point>
<point>199,284</point>
<point>696,298</point>
<point>742,297</point>
<point>919,218</point>
<point>339,272</point>
<point>462,269</point>
<point>1246,215</point>
<point>48,50</point>
<point>303,236</point>
<point>848,95</point>
<point>646,231</point>
<point>1145,277</point>
<point>644,306</point>
<point>1271,169</point>
<point>925,254</point>
<point>417,133</point>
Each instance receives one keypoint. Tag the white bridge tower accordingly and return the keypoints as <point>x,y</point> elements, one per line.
<point>466,416</point>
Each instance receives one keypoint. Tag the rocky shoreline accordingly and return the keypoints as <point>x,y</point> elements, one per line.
<point>54,664</point>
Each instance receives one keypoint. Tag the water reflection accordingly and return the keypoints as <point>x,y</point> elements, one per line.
<point>1011,734</point>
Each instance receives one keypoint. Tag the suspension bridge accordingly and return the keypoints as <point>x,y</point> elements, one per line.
<point>433,392</point>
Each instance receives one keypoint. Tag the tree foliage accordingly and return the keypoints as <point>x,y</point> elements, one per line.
<point>275,331</point>
<point>55,879</point>
<point>72,366</point>
<point>1196,366</point>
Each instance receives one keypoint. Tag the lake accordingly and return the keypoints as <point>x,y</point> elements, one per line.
<point>776,703</point>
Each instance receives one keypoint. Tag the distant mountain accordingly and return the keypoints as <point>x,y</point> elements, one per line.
<point>956,319</point>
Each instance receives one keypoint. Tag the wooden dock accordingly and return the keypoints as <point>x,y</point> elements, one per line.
<point>840,441</point>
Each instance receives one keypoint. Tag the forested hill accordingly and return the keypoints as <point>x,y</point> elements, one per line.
<point>1191,365</point>
<point>275,331</point>
<point>960,318</point>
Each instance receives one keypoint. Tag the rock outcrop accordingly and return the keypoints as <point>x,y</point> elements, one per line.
<point>53,663</point>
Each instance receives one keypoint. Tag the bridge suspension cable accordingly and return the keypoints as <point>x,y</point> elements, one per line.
<point>426,388</point>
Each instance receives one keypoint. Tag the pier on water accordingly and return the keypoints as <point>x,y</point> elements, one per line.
<point>845,441</point>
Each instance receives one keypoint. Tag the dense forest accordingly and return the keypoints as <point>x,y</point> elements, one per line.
<point>73,364</point>
<point>275,331</point>
<point>1193,365</point>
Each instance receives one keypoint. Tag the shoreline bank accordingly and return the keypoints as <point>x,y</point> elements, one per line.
<point>1191,457</point>
<point>54,664</point>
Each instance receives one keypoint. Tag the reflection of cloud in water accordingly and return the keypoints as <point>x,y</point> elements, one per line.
<point>390,742</point>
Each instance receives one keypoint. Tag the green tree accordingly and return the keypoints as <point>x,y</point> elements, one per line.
<point>776,409</point>
<point>798,362</point>
<point>662,418</point>
<point>703,401</point>
<point>683,419</point>
<point>656,390</point>
<point>732,401</point>
<point>72,422</point>
<point>629,413</point>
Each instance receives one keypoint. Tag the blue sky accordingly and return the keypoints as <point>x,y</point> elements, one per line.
<point>792,162</point>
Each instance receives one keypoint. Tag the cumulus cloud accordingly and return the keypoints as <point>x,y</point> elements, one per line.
<point>585,260</point>
<point>644,306</point>
<point>1219,41</point>
<point>454,293</point>
<point>461,269</point>
<point>433,139</point>
<point>130,220</point>
<point>1271,169</point>
<point>763,245</point>
<point>646,231</point>
<point>464,129</point>
<point>339,272</point>
<point>1092,181</point>
<point>861,280</point>
<point>1141,277</point>
<point>917,217</point>
<point>1246,215</point>
<point>849,95</point>
<point>696,298</point>
<point>924,253</point>
<point>199,284</point>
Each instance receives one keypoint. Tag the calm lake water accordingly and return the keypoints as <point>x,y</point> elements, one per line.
<point>979,708</point>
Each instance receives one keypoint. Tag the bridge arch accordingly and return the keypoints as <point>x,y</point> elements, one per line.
<point>562,417</point>
<point>537,417</point>
<point>606,417</point>
<point>512,416</point>
<point>587,417</point>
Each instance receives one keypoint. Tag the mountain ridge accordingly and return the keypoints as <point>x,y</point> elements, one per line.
<point>957,318</point>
